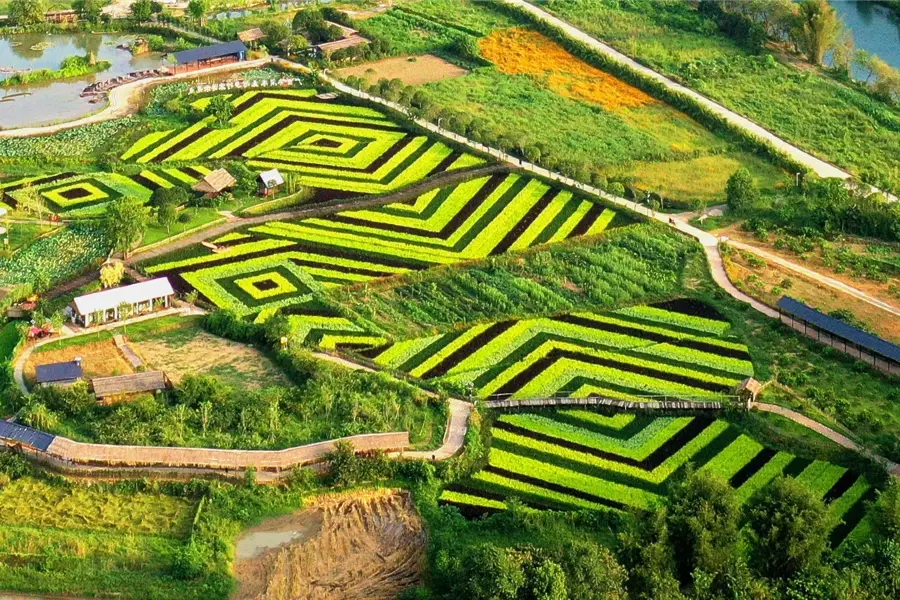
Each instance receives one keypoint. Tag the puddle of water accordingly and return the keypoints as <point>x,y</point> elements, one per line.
<point>278,533</point>
<point>59,101</point>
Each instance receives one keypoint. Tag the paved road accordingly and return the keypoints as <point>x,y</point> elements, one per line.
<point>816,276</point>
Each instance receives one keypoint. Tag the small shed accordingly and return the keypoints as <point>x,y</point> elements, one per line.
<point>748,390</point>
<point>18,436</point>
<point>209,56</point>
<point>215,183</point>
<point>270,182</point>
<point>126,385</point>
<point>251,36</point>
<point>63,374</point>
<point>101,307</point>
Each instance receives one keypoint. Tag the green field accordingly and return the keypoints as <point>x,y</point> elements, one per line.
<point>578,459</point>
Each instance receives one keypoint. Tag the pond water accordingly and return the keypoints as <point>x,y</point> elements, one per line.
<point>875,29</point>
<point>50,102</point>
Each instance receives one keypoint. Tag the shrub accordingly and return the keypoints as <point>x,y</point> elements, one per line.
<point>741,191</point>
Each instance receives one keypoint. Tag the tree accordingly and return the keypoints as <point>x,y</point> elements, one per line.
<point>647,555</point>
<point>305,19</point>
<point>276,32</point>
<point>90,10</point>
<point>197,8</point>
<point>741,191</point>
<point>142,10</point>
<point>111,274</point>
<point>863,61</point>
<point>844,52</point>
<point>30,200</point>
<point>295,44</point>
<point>126,219</point>
<point>788,529</point>
<point>819,29</point>
<point>490,573</point>
<point>592,572</point>
<point>26,12</point>
<point>544,580</point>
<point>886,513</point>
<point>703,522</point>
<point>221,109</point>
<point>166,214</point>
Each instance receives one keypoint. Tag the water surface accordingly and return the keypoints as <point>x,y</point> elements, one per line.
<point>50,102</point>
<point>875,29</point>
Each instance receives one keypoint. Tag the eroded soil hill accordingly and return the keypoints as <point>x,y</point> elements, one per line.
<point>348,547</point>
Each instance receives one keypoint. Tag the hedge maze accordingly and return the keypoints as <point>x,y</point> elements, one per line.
<point>625,354</point>
<point>281,264</point>
<point>578,459</point>
<point>326,144</point>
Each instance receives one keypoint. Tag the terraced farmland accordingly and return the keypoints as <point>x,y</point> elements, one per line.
<point>328,145</point>
<point>280,265</point>
<point>87,194</point>
<point>578,459</point>
<point>627,354</point>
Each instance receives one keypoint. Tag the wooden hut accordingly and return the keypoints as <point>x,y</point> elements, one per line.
<point>215,183</point>
<point>251,36</point>
<point>64,374</point>
<point>270,182</point>
<point>148,382</point>
<point>748,390</point>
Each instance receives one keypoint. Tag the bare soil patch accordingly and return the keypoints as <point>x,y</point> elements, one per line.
<point>236,364</point>
<point>349,547</point>
<point>411,70</point>
<point>98,359</point>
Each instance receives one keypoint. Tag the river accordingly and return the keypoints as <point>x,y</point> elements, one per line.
<point>875,29</point>
<point>59,101</point>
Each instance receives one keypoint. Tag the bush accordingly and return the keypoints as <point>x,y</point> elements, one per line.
<point>741,191</point>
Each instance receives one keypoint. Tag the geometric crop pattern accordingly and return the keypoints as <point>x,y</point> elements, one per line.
<point>627,354</point>
<point>579,459</point>
<point>473,220</point>
<point>87,194</point>
<point>327,145</point>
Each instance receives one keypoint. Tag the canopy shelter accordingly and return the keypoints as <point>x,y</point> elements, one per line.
<point>251,35</point>
<point>209,56</point>
<point>270,182</point>
<point>104,306</point>
<point>840,335</point>
<point>126,385</point>
<point>61,374</point>
<point>215,183</point>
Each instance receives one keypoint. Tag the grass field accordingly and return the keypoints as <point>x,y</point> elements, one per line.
<point>578,459</point>
<point>831,119</point>
<point>175,345</point>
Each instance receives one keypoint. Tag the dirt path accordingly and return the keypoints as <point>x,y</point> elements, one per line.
<point>816,276</point>
<point>838,438</point>
<point>368,547</point>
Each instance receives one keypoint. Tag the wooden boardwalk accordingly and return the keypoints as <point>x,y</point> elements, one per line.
<point>127,352</point>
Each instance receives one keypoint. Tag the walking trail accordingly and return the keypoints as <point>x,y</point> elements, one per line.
<point>820,167</point>
<point>816,276</point>
<point>839,439</point>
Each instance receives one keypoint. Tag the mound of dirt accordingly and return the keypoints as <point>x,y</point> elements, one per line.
<point>356,547</point>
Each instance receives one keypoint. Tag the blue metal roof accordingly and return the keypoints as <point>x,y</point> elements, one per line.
<point>839,328</point>
<point>66,371</point>
<point>207,52</point>
<point>26,435</point>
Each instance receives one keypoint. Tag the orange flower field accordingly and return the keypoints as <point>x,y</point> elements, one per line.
<point>523,51</point>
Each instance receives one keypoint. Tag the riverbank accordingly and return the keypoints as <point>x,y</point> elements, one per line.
<point>70,68</point>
